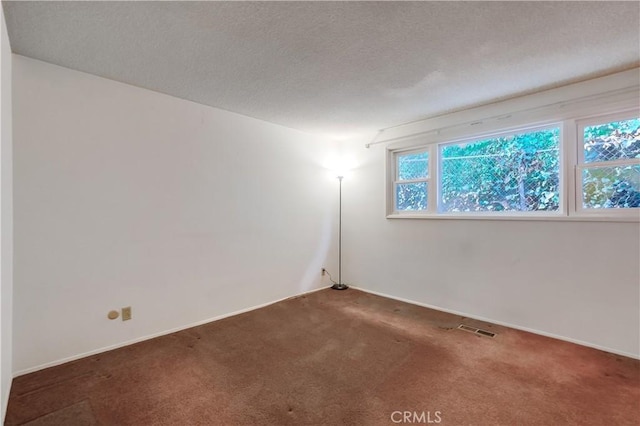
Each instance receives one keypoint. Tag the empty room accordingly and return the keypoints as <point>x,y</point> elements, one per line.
<point>319,213</point>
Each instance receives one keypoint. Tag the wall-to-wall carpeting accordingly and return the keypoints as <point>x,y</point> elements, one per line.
<point>336,358</point>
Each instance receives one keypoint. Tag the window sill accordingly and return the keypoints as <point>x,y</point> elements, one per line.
<point>523,217</point>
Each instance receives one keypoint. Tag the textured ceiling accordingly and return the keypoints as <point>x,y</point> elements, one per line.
<point>336,68</point>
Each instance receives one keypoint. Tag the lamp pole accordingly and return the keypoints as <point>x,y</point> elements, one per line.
<point>339,285</point>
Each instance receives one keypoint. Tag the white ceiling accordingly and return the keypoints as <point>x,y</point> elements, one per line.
<point>338,68</point>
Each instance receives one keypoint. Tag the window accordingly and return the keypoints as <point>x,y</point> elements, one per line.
<point>609,163</point>
<point>583,168</point>
<point>411,181</point>
<point>518,172</point>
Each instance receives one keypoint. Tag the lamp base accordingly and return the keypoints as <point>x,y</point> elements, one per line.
<point>340,286</point>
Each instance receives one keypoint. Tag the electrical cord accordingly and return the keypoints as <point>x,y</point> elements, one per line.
<point>330,278</point>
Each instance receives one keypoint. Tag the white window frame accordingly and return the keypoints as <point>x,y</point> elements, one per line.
<point>396,179</point>
<point>570,179</point>
<point>562,207</point>
<point>580,166</point>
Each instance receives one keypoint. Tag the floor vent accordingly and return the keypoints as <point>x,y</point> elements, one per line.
<point>476,330</point>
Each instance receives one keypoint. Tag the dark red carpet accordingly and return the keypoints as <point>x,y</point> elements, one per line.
<point>336,358</point>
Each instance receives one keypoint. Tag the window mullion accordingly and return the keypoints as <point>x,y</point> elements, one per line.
<point>432,188</point>
<point>570,186</point>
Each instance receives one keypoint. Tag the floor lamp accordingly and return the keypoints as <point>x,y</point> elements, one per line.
<point>339,285</point>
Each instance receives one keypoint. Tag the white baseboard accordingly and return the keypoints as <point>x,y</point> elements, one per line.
<point>154,335</point>
<point>241,311</point>
<point>502,323</point>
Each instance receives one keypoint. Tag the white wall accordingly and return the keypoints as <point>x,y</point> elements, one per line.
<point>125,196</point>
<point>6,219</point>
<point>129,197</point>
<point>575,280</point>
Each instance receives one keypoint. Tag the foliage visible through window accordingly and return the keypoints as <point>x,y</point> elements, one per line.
<point>513,173</point>
<point>604,184</point>
<point>411,181</point>
<point>520,174</point>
